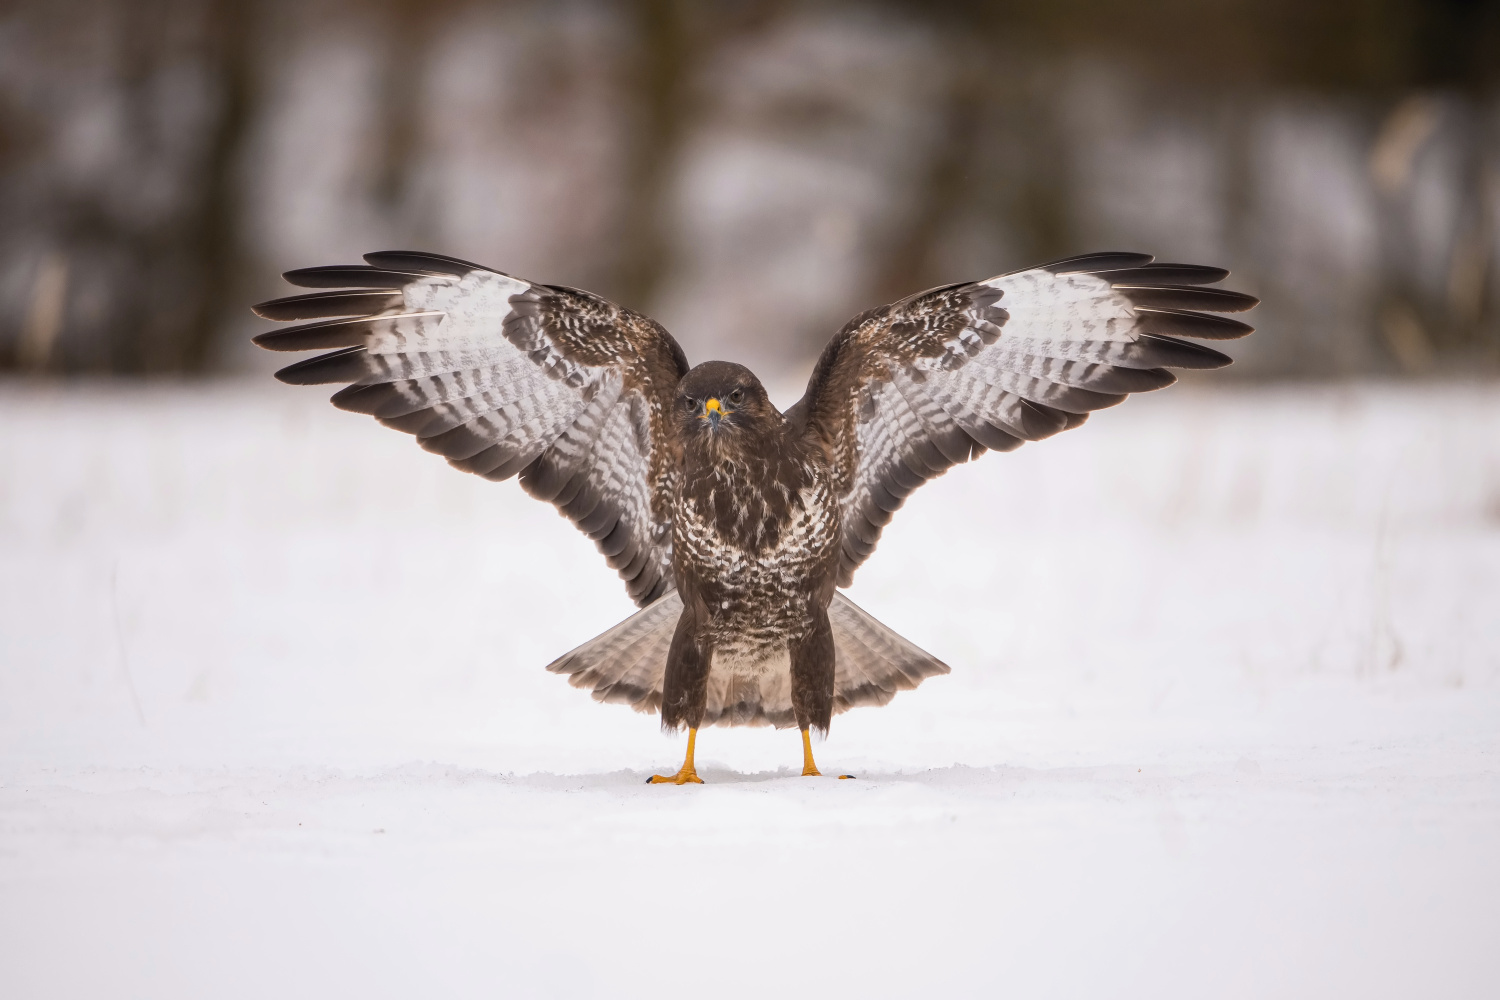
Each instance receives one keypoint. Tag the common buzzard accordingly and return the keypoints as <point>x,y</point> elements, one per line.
<point>732,523</point>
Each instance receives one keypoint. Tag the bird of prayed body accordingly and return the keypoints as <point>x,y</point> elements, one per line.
<point>733,524</point>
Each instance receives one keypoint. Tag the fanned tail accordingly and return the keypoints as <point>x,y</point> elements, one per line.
<point>871,662</point>
<point>626,664</point>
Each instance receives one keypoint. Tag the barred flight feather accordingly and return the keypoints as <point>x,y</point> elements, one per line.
<point>937,378</point>
<point>502,376</point>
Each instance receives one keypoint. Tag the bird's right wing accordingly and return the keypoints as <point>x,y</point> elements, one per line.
<point>904,392</point>
<point>502,377</point>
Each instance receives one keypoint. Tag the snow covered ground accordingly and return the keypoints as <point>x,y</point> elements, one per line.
<point>1223,721</point>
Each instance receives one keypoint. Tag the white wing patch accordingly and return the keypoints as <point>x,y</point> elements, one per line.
<point>1049,307</point>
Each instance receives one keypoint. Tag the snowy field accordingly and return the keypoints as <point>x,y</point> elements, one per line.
<point>1224,721</point>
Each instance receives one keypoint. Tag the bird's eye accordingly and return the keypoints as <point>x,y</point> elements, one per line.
<point>737,396</point>
<point>690,404</point>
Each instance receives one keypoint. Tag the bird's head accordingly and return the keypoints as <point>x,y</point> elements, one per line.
<point>719,398</point>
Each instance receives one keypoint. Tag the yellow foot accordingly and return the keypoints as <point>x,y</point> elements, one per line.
<point>809,769</point>
<point>687,774</point>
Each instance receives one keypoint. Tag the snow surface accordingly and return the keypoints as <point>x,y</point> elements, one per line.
<point>1223,721</point>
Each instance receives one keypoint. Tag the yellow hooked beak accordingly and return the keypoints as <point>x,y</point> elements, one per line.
<point>713,409</point>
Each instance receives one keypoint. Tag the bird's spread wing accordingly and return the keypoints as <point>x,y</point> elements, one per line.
<point>505,377</point>
<point>907,391</point>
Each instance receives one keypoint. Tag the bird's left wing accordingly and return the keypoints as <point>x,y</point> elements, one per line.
<point>904,392</point>
<point>505,377</point>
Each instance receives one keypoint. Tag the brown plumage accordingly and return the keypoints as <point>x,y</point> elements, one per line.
<point>755,551</point>
<point>730,522</point>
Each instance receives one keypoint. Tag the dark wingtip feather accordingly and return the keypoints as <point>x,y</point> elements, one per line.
<point>1075,399</point>
<point>419,260</point>
<point>325,305</point>
<point>1166,274</point>
<point>1091,262</point>
<point>1118,379</point>
<point>1184,353</point>
<point>1219,300</point>
<point>350,276</point>
<point>1181,323</point>
<point>366,399</point>
<point>340,366</point>
<point>315,336</point>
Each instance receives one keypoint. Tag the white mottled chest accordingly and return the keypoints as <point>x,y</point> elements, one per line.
<point>796,550</point>
<point>765,663</point>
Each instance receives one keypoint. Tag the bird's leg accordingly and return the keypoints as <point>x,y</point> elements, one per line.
<point>809,769</point>
<point>686,774</point>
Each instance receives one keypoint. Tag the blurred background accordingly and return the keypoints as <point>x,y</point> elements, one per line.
<point>752,173</point>
<point>1224,718</point>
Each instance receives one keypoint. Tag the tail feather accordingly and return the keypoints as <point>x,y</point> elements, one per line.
<point>626,665</point>
<point>636,678</point>
<point>871,662</point>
